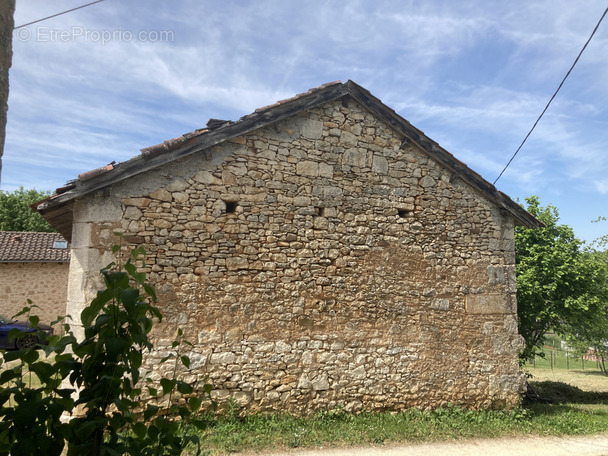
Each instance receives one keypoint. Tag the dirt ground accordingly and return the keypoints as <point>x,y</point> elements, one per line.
<point>529,446</point>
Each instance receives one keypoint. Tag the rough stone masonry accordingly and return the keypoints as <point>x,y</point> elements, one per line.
<point>323,261</point>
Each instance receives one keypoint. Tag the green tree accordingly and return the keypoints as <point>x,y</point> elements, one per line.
<point>561,287</point>
<point>16,213</point>
<point>602,241</point>
<point>592,335</point>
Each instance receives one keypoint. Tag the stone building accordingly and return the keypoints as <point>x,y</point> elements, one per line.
<point>320,252</point>
<point>33,266</point>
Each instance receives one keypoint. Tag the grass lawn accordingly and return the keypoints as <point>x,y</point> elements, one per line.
<point>578,404</point>
<point>586,380</point>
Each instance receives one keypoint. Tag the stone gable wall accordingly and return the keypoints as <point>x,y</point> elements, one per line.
<point>45,284</point>
<point>321,262</point>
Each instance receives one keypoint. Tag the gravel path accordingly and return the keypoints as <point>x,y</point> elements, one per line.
<point>529,446</point>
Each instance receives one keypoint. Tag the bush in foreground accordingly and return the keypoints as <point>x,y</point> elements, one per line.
<point>99,377</point>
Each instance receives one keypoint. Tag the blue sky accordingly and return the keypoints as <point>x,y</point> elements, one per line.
<point>98,84</point>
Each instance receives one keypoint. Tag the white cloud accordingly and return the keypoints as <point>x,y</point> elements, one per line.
<point>473,75</point>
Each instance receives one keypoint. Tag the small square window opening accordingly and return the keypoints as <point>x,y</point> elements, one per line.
<point>231,207</point>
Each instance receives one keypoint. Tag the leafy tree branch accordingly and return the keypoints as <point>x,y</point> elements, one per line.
<point>16,213</point>
<point>561,286</point>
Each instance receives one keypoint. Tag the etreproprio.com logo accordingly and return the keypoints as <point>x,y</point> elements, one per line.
<point>77,33</point>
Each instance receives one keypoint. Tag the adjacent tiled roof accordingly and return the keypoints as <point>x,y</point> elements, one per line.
<point>26,247</point>
<point>57,209</point>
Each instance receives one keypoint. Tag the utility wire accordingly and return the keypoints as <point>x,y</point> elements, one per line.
<point>58,14</point>
<point>558,89</point>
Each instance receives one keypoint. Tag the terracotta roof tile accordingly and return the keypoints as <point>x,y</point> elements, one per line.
<point>190,138</point>
<point>19,246</point>
<point>173,143</point>
<point>95,172</point>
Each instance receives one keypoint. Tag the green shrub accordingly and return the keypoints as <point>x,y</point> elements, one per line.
<point>99,377</point>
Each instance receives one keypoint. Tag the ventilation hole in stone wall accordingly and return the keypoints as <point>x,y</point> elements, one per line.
<point>231,207</point>
<point>402,213</point>
<point>320,211</point>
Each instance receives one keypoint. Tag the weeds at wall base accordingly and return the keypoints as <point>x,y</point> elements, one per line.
<point>586,413</point>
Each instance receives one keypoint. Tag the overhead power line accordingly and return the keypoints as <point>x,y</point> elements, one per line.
<point>58,14</point>
<point>558,89</point>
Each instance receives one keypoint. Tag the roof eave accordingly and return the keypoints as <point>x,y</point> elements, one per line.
<point>35,261</point>
<point>58,213</point>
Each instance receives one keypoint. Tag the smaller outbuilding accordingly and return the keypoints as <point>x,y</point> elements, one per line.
<point>34,266</point>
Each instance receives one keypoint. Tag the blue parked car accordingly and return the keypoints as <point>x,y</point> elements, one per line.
<point>31,338</point>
